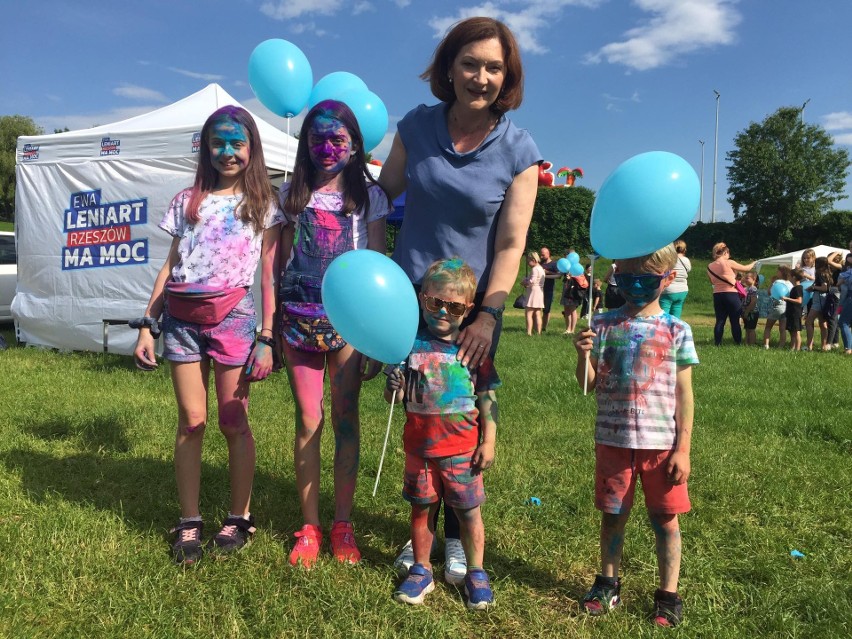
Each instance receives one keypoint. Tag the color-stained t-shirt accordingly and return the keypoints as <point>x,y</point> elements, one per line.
<point>220,249</point>
<point>637,360</point>
<point>440,399</point>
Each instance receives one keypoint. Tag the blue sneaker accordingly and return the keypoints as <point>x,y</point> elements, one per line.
<point>416,586</point>
<point>478,589</point>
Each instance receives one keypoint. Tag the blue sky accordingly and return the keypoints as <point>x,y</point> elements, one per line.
<point>606,79</point>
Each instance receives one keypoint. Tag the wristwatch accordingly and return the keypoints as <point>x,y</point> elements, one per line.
<point>493,310</point>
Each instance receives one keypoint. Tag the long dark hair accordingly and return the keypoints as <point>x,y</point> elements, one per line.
<point>355,173</point>
<point>256,189</point>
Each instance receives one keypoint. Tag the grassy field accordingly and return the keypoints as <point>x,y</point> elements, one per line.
<point>88,494</point>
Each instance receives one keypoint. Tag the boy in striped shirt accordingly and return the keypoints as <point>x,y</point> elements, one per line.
<point>640,366</point>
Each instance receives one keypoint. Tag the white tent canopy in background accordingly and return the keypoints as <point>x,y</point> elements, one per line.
<point>793,258</point>
<point>87,208</point>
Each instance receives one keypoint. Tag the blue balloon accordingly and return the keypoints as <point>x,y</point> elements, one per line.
<point>573,257</point>
<point>333,85</point>
<point>779,289</point>
<point>563,265</point>
<point>576,269</point>
<point>807,294</point>
<point>371,114</point>
<point>280,76</point>
<point>358,288</point>
<point>646,203</point>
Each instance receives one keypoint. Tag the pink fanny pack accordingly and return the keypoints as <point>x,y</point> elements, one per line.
<point>202,304</point>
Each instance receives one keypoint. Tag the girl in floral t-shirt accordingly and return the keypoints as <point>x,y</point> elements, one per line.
<point>223,225</point>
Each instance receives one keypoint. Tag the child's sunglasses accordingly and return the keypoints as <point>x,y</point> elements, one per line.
<point>435,304</point>
<point>646,281</point>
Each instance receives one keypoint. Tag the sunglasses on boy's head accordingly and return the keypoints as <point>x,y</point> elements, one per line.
<point>435,304</point>
<point>646,281</point>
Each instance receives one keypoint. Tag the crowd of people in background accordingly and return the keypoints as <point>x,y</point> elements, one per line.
<point>819,297</point>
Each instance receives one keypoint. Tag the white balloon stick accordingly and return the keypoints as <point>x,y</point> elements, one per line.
<point>385,447</point>
<point>591,299</point>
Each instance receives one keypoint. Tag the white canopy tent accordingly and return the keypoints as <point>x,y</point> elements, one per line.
<point>793,258</point>
<point>90,201</point>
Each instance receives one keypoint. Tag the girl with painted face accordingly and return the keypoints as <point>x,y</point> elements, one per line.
<point>223,225</point>
<point>332,205</point>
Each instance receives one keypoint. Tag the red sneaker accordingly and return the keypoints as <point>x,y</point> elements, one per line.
<point>308,542</point>
<point>343,543</point>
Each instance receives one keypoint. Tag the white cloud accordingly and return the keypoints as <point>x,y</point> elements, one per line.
<point>675,28</point>
<point>362,7</point>
<point>135,92</point>
<point>837,120</point>
<point>402,3</point>
<point>526,19</point>
<point>209,77</point>
<point>843,138</point>
<point>290,9</point>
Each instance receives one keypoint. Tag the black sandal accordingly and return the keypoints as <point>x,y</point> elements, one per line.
<point>186,548</point>
<point>668,608</point>
<point>235,533</point>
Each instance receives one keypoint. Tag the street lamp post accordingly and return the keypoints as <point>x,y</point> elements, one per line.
<point>803,110</point>
<point>701,196</point>
<point>715,156</point>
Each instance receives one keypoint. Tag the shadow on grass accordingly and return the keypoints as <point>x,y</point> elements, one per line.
<point>142,492</point>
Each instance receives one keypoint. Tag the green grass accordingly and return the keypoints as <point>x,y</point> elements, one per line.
<point>88,494</point>
<point>7,226</point>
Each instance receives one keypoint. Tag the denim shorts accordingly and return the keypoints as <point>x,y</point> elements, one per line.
<point>229,342</point>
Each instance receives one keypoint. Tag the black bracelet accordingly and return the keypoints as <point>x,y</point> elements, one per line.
<point>266,340</point>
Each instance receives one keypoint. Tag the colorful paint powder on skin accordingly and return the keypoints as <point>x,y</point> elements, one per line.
<point>329,145</point>
<point>228,139</point>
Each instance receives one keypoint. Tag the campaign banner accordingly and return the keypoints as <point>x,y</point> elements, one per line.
<point>98,234</point>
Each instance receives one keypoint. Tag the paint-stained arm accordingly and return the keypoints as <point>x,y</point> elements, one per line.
<point>483,456</point>
<point>144,353</point>
<point>259,363</point>
<point>678,467</point>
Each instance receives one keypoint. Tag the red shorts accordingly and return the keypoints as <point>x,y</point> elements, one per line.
<point>448,478</point>
<point>616,470</point>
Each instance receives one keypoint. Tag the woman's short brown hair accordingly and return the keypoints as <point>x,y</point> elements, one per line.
<point>462,34</point>
<point>680,246</point>
<point>719,248</point>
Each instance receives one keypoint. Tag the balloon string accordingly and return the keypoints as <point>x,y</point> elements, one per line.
<point>385,447</point>
<point>589,322</point>
<point>287,152</point>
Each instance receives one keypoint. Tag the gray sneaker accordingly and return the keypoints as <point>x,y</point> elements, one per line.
<point>405,559</point>
<point>455,562</point>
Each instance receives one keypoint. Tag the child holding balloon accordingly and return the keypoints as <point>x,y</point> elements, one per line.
<point>640,363</point>
<point>779,286</point>
<point>222,226</point>
<point>332,205</point>
<point>449,433</point>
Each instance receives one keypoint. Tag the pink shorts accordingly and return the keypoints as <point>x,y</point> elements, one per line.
<point>616,470</point>
<point>448,478</point>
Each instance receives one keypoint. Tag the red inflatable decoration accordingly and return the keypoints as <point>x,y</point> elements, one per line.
<point>545,177</point>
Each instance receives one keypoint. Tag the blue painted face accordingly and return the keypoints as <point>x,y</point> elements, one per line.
<point>641,289</point>
<point>229,148</point>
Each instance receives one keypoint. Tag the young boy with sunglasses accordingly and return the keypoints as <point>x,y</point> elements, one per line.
<point>640,366</point>
<point>449,432</point>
